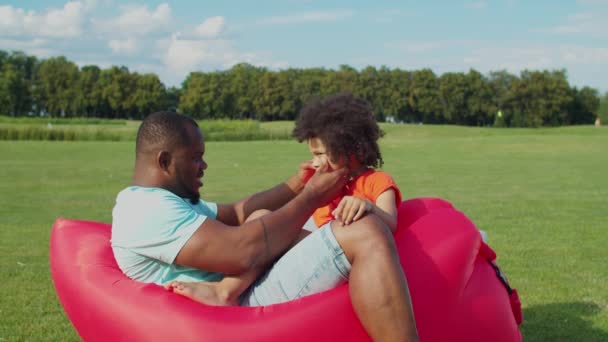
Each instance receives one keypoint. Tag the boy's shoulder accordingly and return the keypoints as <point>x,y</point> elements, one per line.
<point>373,175</point>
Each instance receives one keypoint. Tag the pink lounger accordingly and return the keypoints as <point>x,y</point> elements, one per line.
<point>457,291</point>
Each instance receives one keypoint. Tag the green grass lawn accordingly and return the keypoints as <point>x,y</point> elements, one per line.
<point>540,194</point>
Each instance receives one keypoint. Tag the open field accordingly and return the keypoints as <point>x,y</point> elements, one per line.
<point>91,129</point>
<point>540,194</point>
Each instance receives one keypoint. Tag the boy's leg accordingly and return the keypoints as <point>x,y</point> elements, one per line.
<point>315,264</point>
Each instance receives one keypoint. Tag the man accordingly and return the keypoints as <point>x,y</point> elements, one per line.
<point>162,231</point>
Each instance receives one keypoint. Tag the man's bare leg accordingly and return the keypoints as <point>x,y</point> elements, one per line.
<point>378,288</point>
<point>227,291</point>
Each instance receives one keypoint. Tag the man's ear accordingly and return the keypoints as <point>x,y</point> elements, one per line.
<point>163,159</point>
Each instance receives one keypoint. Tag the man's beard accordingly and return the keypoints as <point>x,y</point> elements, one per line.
<point>195,198</point>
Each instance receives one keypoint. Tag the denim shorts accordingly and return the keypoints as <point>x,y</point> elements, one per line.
<point>315,264</point>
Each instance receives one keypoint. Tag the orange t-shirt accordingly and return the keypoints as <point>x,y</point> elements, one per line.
<point>368,185</point>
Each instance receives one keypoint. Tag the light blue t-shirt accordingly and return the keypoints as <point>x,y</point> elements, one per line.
<point>149,228</point>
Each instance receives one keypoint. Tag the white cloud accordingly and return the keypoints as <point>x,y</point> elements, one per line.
<point>65,22</point>
<point>415,47</point>
<point>592,2</point>
<point>584,55</point>
<point>590,23</point>
<point>585,66</point>
<point>211,27</point>
<point>307,17</point>
<point>100,61</point>
<point>189,54</point>
<point>516,59</point>
<point>182,56</point>
<point>510,58</point>
<point>36,47</point>
<point>392,15</point>
<point>137,20</point>
<point>125,46</point>
<point>92,4</point>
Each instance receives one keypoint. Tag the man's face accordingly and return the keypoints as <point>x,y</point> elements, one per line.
<point>320,155</point>
<point>189,166</point>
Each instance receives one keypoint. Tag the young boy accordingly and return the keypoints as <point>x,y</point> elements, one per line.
<point>341,132</point>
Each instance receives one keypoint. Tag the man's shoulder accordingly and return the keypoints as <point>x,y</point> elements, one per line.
<point>145,193</point>
<point>144,207</point>
<point>136,197</point>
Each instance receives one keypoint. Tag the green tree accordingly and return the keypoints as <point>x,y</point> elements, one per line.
<point>56,86</point>
<point>148,95</point>
<point>426,99</point>
<point>201,95</point>
<point>308,84</point>
<point>541,98</point>
<point>11,83</point>
<point>603,110</point>
<point>479,105</point>
<point>3,57</point>
<point>16,79</point>
<point>268,104</point>
<point>501,85</point>
<point>401,100</point>
<point>288,95</point>
<point>453,92</point>
<point>374,86</point>
<point>170,100</point>
<point>342,80</point>
<point>242,89</point>
<point>585,106</point>
<point>117,86</point>
<point>89,93</point>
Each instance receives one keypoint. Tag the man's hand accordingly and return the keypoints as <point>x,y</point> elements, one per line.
<point>297,182</point>
<point>306,171</point>
<point>325,185</point>
<point>351,209</point>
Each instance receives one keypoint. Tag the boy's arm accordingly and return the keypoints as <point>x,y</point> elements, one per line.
<point>386,209</point>
<point>353,208</point>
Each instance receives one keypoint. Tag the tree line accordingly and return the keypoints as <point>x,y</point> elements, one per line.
<point>57,87</point>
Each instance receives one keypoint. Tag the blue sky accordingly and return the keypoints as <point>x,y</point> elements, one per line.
<point>173,38</point>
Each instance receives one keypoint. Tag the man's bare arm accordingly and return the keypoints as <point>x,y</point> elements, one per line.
<point>228,249</point>
<point>272,199</point>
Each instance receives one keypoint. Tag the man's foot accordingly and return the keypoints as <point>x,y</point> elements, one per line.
<point>202,292</point>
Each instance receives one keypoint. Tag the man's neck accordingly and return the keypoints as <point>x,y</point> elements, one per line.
<point>147,177</point>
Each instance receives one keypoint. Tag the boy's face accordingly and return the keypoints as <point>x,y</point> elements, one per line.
<point>321,156</point>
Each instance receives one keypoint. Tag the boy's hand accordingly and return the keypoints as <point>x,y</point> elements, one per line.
<point>351,209</point>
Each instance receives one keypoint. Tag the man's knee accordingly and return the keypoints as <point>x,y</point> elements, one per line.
<point>257,214</point>
<point>365,235</point>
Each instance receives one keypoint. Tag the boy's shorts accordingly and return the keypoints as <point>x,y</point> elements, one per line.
<point>315,264</point>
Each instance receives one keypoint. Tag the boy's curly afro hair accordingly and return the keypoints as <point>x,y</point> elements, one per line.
<point>345,124</point>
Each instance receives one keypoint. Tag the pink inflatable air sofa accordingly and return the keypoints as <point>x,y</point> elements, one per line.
<point>457,291</point>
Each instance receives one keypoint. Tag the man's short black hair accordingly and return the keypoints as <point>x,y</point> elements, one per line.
<point>163,130</point>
